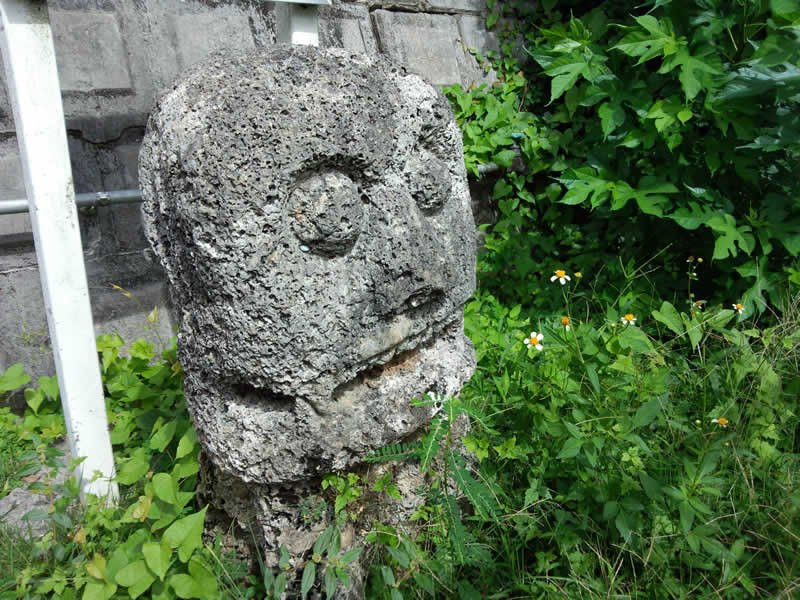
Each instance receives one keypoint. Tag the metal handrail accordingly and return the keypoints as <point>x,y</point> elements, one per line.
<point>11,207</point>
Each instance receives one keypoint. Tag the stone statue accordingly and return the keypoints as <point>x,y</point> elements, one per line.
<point>311,210</point>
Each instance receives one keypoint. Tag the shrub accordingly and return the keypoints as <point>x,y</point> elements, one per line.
<point>654,136</point>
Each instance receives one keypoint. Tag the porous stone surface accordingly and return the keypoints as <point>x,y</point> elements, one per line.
<point>114,58</point>
<point>311,210</point>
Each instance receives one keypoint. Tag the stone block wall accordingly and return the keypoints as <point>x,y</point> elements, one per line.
<point>114,58</point>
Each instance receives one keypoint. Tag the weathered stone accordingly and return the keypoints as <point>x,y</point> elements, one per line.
<point>318,274</point>
<point>474,34</point>
<point>453,6</point>
<point>90,53</point>
<point>12,187</point>
<point>231,30</point>
<point>346,26</point>
<point>429,45</point>
<point>6,116</point>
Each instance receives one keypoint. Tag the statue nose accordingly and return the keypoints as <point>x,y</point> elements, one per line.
<point>413,268</point>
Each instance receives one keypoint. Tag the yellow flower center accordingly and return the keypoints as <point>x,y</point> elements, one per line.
<point>560,273</point>
<point>534,340</point>
<point>722,422</point>
<point>739,306</point>
<point>629,318</point>
<point>565,321</point>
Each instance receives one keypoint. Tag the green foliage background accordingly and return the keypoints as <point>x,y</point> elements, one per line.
<point>647,133</point>
<point>651,148</point>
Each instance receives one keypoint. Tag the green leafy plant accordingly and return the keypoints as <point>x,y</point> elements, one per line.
<point>679,120</point>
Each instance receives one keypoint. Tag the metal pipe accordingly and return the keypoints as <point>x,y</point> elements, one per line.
<point>11,207</point>
<point>488,168</point>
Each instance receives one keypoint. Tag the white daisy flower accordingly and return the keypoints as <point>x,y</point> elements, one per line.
<point>561,275</point>
<point>535,340</point>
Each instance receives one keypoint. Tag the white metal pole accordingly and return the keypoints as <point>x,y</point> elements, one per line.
<point>297,21</point>
<point>32,80</point>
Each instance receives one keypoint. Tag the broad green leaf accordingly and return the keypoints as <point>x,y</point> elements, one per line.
<point>185,586</point>
<point>323,541</point>
<point>34,399</point>
<point>157,557</point>
<point>13,378</point>
<point>187,443</point>
<point>669,316</point>
<point>161,438</point>
<point>309,577</point>
<point>331,583</point>
<point>134,468</point>
<point>388,576</point>
<point>504,158</point>
<point>136,577</point>
<point>720,319</point>
<point>203,576</point>
<point>696,72</point>
<point>693,329</point>
<point>686,517</point>
<point>611,117</point>
<point>164,488</point>
<point>351,555</point>
<point>651,487</point>
<point>624,524</point>
<point>570,449</point>
<point>97,567</point>
<point>141,349</point>
<point>565,71</point>
<point>656,40</point>
<point>49,385</point>
<point>633,338</point>
<point>647,413</point>
<point>582,185</point>
<point>186,534</point>
<point>400,555</point>
<point>94,590</point>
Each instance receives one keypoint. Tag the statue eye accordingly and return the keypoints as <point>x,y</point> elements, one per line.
<point>428,179</point>
<point>328,213</point>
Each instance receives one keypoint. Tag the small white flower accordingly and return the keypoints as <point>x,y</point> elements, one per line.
<point>628,319</point>
<point>721,421</point>
<point>561,275</point>
<point>565,322</point>
<point>739,308</point>
<point>535,340</point>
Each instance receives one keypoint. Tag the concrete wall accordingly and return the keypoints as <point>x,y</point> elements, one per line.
<point>114,57</point>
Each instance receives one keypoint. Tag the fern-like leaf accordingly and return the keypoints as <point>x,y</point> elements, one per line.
<point>430,443</point>
<point>479,494</point>
<point>455,528</point>
<point>394,453</point>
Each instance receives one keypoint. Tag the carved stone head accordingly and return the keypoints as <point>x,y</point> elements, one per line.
<point>311,210</point>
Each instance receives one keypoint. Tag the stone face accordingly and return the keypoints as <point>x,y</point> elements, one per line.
<point>319,270</point>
